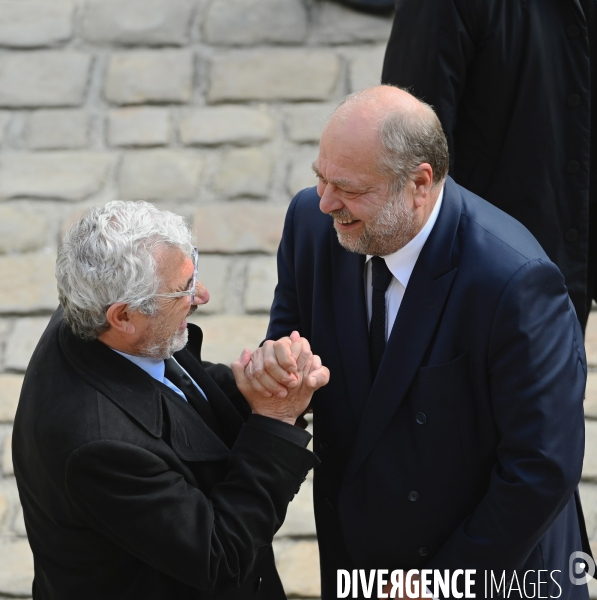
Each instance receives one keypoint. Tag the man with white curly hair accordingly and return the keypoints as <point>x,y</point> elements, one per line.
<point>143,471</point>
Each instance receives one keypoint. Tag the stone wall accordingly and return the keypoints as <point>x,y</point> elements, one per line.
<point>210,108</point>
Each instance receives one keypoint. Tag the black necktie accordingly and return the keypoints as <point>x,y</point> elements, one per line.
<point>381,277</point>
<point>183,382</point>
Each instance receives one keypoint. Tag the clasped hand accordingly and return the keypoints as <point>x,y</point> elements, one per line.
<point>278,379</point>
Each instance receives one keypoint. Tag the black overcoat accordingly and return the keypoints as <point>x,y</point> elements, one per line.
<point>510,82</point>
<point>128,494</point>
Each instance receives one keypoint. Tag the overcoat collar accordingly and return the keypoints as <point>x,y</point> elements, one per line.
<point>143,398</point>
<point>413,330</point>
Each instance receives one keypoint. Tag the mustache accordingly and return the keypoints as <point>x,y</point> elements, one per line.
<point>343,214</point>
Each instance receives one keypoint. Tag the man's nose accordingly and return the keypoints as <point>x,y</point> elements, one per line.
<point>329,200</point>
<point>201,295</point>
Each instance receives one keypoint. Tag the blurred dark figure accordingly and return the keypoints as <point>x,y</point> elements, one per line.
<point>511,83</point>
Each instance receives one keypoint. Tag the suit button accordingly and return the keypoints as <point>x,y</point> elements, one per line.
<point>258,582</point>
<point>573,31</point>
<point>423,551</point>
<point>572,166</point>
<point>573,101</point>
<point>413,496</point>
<point>421,418</point>
<point>571,235</point>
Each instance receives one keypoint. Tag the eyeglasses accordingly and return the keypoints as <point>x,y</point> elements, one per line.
<point>191,291</point>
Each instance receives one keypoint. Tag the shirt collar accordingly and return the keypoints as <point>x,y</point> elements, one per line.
<point>402,262</point>
<point>152,366</point>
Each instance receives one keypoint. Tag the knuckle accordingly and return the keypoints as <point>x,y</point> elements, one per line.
<point>270,363</point>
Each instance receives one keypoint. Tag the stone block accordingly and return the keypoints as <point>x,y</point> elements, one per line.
<point>239,227</point>
<point>58,128</point>
<point>33,23</point>
<point>16,574</point>
<point>226,124</point>
<point>262,277</point>
<point>588,496</point>
<point>43,78</point>
<point>300,520</point>
<point>243,172</point>
<point>336,24</point>
<point>27,283</point>
<point>305,122</point>
<point>225,336</point>
<point>139,126</point>
<point>10,389</point>
<point>65,175</point>
<point>4,118</point>
<point>297,74</point>
<point>591,396</point>
<point>146,22</point>
<point>591,340</point>
<point>23,341</point>
<point>7,467</point>
<point>365,68</point>
<point>298,566</point>
<point>160,174</point>
<point>149,76</point>
<point>20,230</point>
<point>3,508</point>
<point>19,525</point>
<point>213,274</point>
<point>301,175</point>
<point>589,469</point>
<point>248,22</point>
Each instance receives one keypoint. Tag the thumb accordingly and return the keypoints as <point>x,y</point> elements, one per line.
<point>239,365</point>
<point>318,378</point>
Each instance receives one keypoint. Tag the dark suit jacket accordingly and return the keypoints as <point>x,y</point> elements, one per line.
<point>510,81</point>
<point>128,494</point>
<point>477,405</point>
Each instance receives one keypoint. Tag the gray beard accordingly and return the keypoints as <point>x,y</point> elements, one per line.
<point>391,229</point>
<point>161,351</point>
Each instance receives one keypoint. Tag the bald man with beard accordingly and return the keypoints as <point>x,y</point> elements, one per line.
<point>451,434</point>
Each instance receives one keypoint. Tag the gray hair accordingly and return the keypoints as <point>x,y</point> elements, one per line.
<point>408,138</point>
<point>108,257</point>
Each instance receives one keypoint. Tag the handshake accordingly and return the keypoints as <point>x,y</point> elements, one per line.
<point>279,378</point>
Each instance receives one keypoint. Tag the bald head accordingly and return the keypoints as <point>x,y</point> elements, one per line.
<point>375,103</point>
<point>403,131</point>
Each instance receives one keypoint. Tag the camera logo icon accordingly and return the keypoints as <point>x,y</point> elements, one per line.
<point>581,568</point>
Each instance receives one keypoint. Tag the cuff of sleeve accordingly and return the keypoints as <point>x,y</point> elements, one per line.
<point>284,430</point>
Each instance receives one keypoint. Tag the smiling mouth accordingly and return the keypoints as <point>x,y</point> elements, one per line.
<point>343,223</point>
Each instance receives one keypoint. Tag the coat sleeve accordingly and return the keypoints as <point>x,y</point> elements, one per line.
<point>285,313</point>
<point>134,498</point>
<point>432,44</point>
<point>537,375</point>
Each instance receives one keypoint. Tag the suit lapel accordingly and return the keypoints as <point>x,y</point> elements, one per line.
<point>350,313</point>
<point>228,418</point>
<point>190,436</point>
<point>414,329</point>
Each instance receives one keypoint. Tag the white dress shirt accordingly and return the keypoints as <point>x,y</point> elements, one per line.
<point>156,368</point>
<point>401,264</point>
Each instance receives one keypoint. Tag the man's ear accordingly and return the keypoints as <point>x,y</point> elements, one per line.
<point>423,180</point>
<point>119,316</point>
